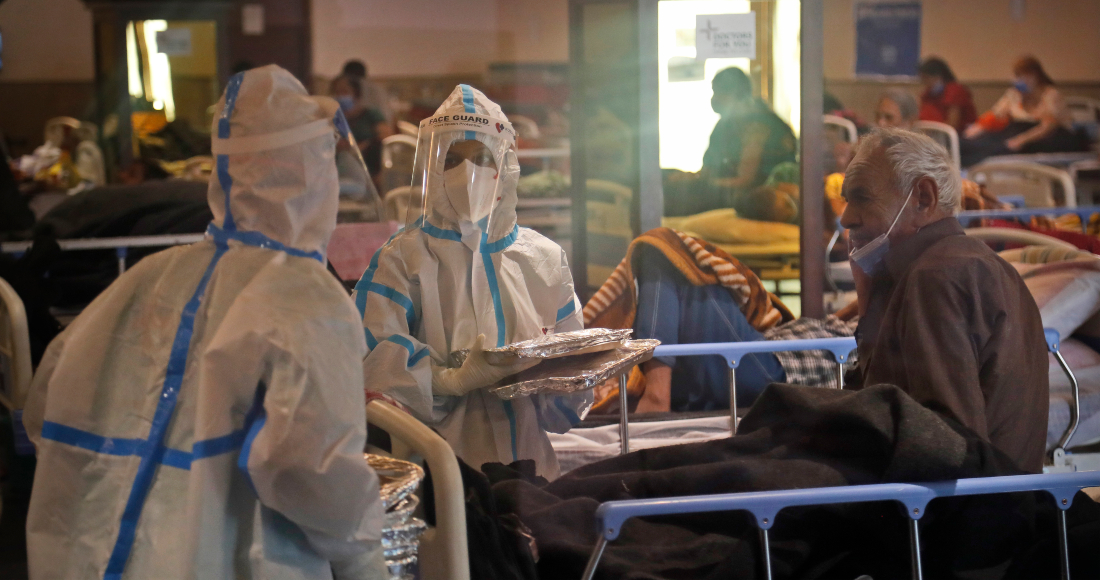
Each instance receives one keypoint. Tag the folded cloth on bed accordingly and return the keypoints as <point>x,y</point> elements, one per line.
<point>615,304</point>
<point>815,368</point>
<point>797,438</point>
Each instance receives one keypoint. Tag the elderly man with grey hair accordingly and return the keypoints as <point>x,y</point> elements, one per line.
<point>941,315</point>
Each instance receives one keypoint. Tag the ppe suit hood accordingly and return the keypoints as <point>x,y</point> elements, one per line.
<point>276,160</point>
<point>465,99</point>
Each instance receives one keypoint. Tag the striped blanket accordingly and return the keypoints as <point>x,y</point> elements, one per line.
<point>615,304</point>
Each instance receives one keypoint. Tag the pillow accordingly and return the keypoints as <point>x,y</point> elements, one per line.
<point>1067,293</point>
<point>723,226</point>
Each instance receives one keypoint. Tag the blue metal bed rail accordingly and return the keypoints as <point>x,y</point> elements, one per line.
<point>733,352</point>
<point>765,505</point>
<point>1084,213</point>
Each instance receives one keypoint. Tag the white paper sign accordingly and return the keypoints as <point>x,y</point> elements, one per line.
<point>174,41</point>
<point>252,19</point>
<point>725,36</point>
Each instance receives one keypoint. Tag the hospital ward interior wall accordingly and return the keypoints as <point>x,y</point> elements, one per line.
<point>49,60</point>
<point>413,55</point>
<point>49,67</point>
<point>979,39</point>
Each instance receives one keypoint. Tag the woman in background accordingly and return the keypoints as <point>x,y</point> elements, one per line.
<point>1031,117</point>
<point>944,99</point>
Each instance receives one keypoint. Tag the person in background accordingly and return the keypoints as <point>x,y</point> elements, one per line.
<point>368,125</point>
<point>204,417</point>
<point>897,109</point>
<point>746,144</point>
<point>1031,117</point>
<point>944,99</point>
<point>832,106</point>
<point>374,96</point>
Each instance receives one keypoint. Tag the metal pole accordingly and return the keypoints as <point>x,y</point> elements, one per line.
<point>811,138</point>
<point>766,554</point>
<point>1063,543</point>
<point>914,549</point>
<point>624,408</point>
<point>594,560</point>
<point>840,375</point>
<point>121,254</point>
<point>733,401</point>
<point>1075,408</point>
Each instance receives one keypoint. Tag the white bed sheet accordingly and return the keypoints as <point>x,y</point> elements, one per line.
<point>583,446</point>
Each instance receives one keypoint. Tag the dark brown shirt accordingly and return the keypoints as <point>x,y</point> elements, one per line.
<point>954,326</point>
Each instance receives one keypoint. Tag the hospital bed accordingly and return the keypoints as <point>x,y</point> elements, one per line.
<point>120,245</point>
<point>443,551</point>
<point>574,448</point>
<point>1061,483</point>
<point>1084,213</point>
<point>766,505</point>
<point>841,272</point>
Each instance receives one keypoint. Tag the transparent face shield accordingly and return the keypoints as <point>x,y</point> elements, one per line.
<point>356,186</point>
<point>465,168</point>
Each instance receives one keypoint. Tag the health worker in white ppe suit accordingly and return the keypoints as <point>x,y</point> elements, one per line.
<point>204,417</point>
<point>463,276</point>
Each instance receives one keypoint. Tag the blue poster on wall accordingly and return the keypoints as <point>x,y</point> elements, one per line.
<point>887,39</point>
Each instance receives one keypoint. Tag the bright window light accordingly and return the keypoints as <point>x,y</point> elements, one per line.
<point>788,63</point>
<point>133,63</point>
<point>160,71</point>
<point>686,119</point>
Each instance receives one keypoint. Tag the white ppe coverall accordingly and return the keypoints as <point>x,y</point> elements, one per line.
<point>462,268</point>
<point>204,417</point>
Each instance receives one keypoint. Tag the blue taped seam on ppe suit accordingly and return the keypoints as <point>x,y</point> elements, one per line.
<point>211,324</point>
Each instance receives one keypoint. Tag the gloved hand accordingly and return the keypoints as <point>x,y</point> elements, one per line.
<point>475,372</point>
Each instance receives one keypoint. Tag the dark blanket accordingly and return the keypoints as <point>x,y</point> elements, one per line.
<point>796,437</point>
<point>148,209</point>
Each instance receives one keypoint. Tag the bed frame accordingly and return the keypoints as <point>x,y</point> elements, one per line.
<point>1083,212</point>
<point>121,245</point>
<point>1061,480</point>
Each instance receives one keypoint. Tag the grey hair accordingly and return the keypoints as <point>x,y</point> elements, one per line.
<point>913,156</point>
<point>905,101</point>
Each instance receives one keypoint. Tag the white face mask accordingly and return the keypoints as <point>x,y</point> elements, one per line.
<point>471,189</point>
<point>869,256</point>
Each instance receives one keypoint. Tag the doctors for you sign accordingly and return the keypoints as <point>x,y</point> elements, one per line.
<point>725,36</point>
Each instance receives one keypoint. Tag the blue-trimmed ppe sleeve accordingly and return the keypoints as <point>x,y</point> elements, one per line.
<point>397,364</point>
<point>310,471</point>
<point>559,414</point>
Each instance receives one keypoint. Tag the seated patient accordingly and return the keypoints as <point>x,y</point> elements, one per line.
<point>463,276</point>
<point>941,315</point>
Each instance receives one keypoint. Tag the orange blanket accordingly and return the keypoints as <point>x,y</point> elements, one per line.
<point>615,304</point>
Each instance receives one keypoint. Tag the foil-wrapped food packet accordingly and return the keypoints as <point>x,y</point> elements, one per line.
<point>397,479</point>
<point>401,532</point>
<point>550,346</point>
<point>576,373</point>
